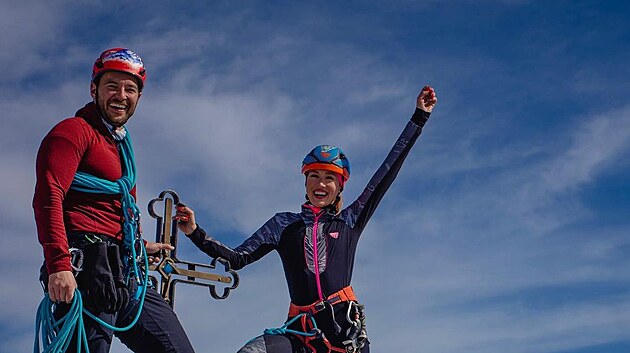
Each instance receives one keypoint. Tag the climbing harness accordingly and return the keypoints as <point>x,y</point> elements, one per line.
<point>313,338</point>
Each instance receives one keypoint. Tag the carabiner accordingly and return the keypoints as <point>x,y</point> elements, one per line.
<point>76,260</point>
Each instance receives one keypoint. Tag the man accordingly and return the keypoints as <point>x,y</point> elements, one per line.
<point>94,144</point>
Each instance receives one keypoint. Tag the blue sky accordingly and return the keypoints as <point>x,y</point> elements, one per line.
<point>505,232</point>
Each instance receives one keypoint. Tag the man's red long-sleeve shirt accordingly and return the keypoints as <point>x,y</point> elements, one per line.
<point>82,143</point>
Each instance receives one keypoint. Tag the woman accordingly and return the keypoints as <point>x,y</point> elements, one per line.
<point>317,248</point>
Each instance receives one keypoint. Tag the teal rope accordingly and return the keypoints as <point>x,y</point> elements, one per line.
<point>285,328</point>
<point>85,182</point>
<point>90,184</point>
<point>56,335</point>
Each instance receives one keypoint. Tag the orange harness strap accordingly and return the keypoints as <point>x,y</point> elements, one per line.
<point>344,295</point>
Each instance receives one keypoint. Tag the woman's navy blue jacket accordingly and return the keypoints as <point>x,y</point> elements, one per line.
<point>320,264</point>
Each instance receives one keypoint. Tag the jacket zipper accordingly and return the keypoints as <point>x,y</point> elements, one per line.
<point>316,256</point>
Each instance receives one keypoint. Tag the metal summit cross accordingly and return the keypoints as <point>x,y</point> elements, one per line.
<point>173,270</point>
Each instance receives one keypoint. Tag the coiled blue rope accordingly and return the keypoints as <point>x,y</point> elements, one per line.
<point>57,334</point>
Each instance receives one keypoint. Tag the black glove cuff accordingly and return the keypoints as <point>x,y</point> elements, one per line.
<point>420,117</point>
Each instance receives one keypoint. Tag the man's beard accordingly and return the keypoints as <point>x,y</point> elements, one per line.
<point>102,109</point>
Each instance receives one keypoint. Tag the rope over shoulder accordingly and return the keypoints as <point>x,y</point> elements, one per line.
<point>56,334</point>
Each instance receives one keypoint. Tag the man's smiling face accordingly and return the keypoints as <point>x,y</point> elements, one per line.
<point>116,96</point>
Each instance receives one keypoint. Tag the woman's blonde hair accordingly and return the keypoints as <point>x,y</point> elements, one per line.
<point>339,204</point>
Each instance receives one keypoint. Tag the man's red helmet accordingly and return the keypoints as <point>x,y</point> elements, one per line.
<point>122,60</point>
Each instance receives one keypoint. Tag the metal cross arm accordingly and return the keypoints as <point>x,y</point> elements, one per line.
<point>173,270</point>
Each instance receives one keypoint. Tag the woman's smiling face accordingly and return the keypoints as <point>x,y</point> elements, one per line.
<point>322,187</point>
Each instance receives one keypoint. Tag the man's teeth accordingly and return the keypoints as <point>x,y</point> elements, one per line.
<point>118,106</point>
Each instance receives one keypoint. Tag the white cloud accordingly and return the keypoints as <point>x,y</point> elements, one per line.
<point>25,46</point>
<point>600,140</point>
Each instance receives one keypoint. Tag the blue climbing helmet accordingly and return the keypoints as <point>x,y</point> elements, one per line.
<point>329,158</point>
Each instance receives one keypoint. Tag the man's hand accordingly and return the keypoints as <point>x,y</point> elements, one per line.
<point>426,99</point>
<point>61,286</point>
<point>154,250</point>
<point>186,218</point>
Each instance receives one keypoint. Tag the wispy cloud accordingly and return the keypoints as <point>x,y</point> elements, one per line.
<point>25,47</point>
